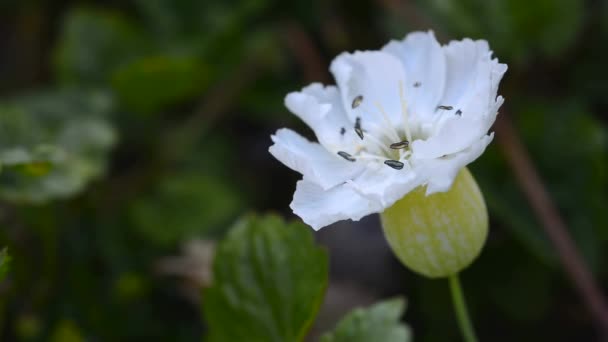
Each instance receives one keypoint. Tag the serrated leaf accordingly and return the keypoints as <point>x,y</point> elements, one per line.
<point>269,281</point>
<point>5,261</point>
<point>52,144</point>
<point>379,322</point>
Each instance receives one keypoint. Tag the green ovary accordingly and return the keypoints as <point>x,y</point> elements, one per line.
<point>440,234</point>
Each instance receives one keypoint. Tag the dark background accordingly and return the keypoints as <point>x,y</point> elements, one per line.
<point>143,128</point>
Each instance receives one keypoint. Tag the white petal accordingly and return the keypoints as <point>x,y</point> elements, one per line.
<point>425,67</point>
<point>312,160</point>
<point>472,77</point>
<point>384,184</point>
<point>376,76</point>
<point>455,134</point>
<point>319,208</point>
<point>321,109</point>
<point>441,172</point>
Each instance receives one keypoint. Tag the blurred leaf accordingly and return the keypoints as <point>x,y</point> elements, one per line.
<point>516,29</point>
<point>568,146</point>
<point>5,262</point>
<point>95,42</point>
<point>150,83</point>
<point>379,322</point>
<point>66,331</point>
<point>184,206</point>
<point>52,144</point>
<point>269,281</point>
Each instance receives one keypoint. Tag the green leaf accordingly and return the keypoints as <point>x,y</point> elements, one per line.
<point>151,83</point>
<point>52,144</point>
<point>93,43</point>
<point>5,261</point>
<point>380,322</point>
<point>269,281</point>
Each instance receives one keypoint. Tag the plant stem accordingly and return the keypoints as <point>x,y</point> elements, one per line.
<point>460,308</point>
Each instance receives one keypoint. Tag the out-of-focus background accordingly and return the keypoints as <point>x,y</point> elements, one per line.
<point>134,133</point>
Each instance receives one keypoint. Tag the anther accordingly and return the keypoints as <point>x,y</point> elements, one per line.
<point>342,131</point>
<point>458,112</point>
<point>357,101</point>
<point>400,145</point>
<point>346,156</point>
<point>445,107</point>
<point>395,164</point>
<point>358,129</point>
<point>417,84</point>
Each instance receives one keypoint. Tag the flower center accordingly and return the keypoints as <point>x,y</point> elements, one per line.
<point>380,139</point>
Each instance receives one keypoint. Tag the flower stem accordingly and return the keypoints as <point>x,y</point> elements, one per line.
<point>460,308</point>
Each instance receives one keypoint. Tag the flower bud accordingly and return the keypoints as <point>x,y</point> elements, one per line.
<point>440,234</point>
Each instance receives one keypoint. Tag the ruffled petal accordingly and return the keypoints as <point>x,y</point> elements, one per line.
<point>425,67</point>
<point>321,109</point>
<point>454,135</point>
<point>472,77</point>
<point>312,160</point>
<point>376,76</point>
<point>319,208</point>
<point>384,184</point>
<point>441,172</point>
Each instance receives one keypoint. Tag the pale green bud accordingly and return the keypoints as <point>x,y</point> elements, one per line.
<point>440,234</point>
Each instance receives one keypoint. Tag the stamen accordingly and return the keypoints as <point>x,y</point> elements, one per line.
<point>395,164</point>
<point>400,145</point>
<point>417,84</point>
<point>387,121</point>
<point>385,124</point>
<point>358,129</point>
<point>346,156</point>
<point>445,107</point>
<point>342,131</point>
<point>377,142</point>
<point>458,112</point>
<point>408,135</point>
<point>357,101</point>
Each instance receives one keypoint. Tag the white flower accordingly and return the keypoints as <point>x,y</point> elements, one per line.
<point>411,114</point>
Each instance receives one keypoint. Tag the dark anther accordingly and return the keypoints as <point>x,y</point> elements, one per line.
<point>417,84</point>
<point>358,129</point>
<point>445,107</point>
<point>400,145</point>
<point>397,165</point>
<point>458,112</point>
<point>346,156</point>
<point>342,131</point>
<point>357,101</point>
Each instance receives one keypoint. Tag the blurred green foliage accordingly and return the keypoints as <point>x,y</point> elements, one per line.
<point>5,261</point>
<point>129,128</point>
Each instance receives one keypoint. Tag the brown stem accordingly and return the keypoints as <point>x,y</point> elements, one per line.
<point>554,226</point>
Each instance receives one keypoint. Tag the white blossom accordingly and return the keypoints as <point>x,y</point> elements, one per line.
<point>410,114</point>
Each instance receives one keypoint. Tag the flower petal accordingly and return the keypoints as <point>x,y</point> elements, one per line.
<point>472,77</point>
<point>384,184</point>
<point>374,75</point>
<point>312,160</point>
<point>425,68</point>
<point>319,208</point>
<point>441,172</point>
<point>321,108</point>
<point>455,134</point>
